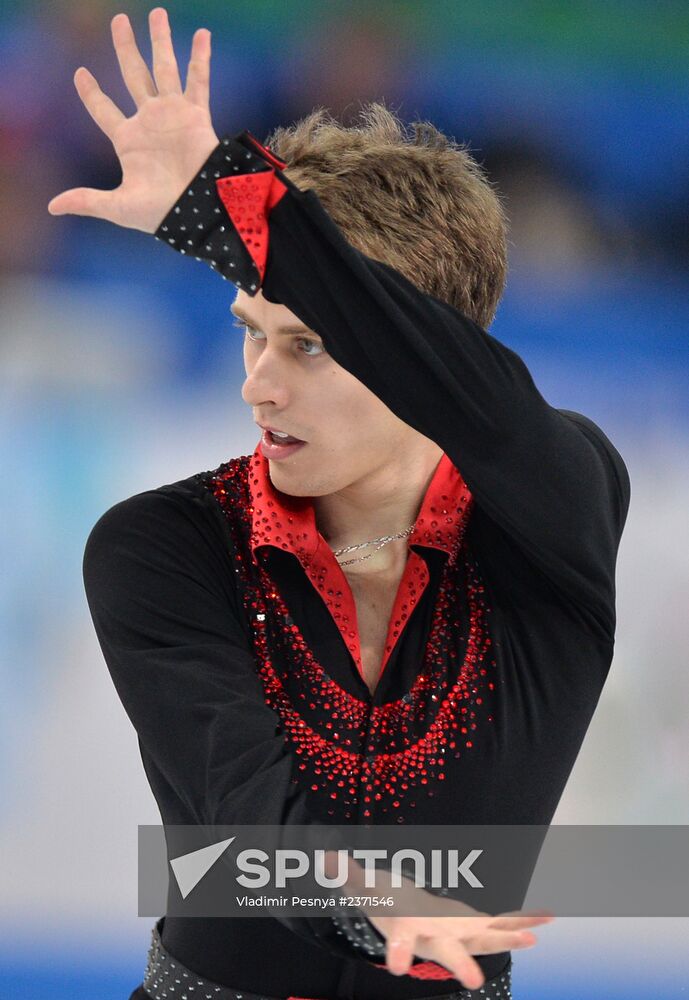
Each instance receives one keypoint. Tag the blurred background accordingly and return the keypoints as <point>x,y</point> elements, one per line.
<point>120,371</point>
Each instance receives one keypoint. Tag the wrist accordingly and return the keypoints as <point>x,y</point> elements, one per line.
<point>361,933</point>
<point>221,215</point>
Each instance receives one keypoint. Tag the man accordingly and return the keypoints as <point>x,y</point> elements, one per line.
<point>400,608</point>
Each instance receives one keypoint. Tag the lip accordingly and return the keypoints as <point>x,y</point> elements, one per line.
<point>276,452</point>
<point>280,430</point>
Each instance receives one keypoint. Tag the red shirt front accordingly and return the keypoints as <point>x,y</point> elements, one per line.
<point>289,523</point>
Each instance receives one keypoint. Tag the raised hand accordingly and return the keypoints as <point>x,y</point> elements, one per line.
<point>164,144</point>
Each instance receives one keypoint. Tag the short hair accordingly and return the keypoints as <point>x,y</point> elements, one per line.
<point>413,199</point>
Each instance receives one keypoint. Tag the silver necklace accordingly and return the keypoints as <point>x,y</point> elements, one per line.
<point>383,540</point>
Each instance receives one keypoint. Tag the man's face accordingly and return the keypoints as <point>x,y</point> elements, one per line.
<point>293,385</point>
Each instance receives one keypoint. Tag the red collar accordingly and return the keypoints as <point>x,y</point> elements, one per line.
<point>289,523</point>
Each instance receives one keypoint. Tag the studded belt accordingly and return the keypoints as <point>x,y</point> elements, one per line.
<point>166,978</point>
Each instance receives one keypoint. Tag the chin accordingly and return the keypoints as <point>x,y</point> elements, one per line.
<point>282,480</point>
<point>293,483</point>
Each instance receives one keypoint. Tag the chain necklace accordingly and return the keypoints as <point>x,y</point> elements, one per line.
<point>383,540</point>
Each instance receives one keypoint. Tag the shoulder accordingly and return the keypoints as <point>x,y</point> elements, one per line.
<point>153,514</point>
<point>178,526</point>
<point>613,463</point>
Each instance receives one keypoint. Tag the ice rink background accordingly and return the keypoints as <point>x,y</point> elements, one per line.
<point>120,371</point>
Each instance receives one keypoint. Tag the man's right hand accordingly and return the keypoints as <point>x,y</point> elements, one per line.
<point>164,144</point>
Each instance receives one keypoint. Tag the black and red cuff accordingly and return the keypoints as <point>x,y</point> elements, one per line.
<point>222,215</point>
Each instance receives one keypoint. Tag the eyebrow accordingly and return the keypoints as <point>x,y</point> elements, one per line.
<point>288,328</point>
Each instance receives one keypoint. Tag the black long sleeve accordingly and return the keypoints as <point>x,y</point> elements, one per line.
<point>549,478</point>
<point>169,630</point>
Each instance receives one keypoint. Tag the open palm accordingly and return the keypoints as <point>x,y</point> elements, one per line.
<point>163,144</point>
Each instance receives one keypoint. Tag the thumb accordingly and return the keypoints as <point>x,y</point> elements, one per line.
<point>85,201</point>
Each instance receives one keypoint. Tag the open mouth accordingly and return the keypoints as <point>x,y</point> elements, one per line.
<point>283,438</point>
<point>274,447</point>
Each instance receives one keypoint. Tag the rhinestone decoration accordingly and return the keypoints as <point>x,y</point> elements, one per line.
<point>441,523</point>
<point>198,223</point>
<point>362,759</point>
<point>166,978</point>
<point>248,199</point>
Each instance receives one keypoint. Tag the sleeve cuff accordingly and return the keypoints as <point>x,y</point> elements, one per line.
<point>371,945</point>
<point>360,933</point>
<point>222,215</point>
<point>363,936</point>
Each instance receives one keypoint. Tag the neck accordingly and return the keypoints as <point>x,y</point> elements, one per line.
<point>384,502</point>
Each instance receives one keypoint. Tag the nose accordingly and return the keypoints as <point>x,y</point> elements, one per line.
<point>266,381</point>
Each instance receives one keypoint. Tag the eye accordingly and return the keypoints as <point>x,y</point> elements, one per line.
<point>248,330</point>
<point>312,343</point>
<point>254,334</point>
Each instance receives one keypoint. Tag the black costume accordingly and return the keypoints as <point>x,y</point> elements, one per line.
<point>229,628</point>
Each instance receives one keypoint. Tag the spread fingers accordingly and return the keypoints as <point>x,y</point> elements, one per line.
<point>102,109</point>
<point>165,68</point>
<point>198,72</point>
<point>135,74</point>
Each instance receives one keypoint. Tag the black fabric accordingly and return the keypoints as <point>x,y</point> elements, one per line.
<point>166,974</point>
<point>551,495</point>
<point>197,223</point>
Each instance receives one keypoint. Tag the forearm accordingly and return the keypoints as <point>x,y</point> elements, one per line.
<point>550,479</point>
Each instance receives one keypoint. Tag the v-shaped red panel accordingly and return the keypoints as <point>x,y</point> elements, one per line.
<point>248,200</point>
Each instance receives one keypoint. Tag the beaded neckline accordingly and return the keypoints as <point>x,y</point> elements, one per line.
<point>365,758</point>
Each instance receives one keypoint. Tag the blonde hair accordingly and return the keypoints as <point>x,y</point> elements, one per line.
<point>415,200</point>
